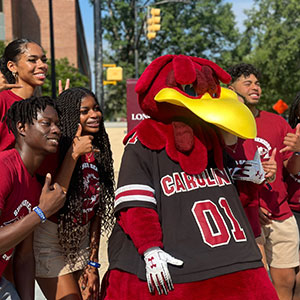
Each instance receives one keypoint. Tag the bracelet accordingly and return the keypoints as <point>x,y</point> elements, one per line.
<point>40,213</point>
<point>94,264</point>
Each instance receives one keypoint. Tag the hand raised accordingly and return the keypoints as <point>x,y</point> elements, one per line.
<point>252,171</point>
<point>82,144</point>
<point>4,85</point>
<point>52,197</point>
<point>292,141</point>
<point>270,167</point>
<point>60,87</point>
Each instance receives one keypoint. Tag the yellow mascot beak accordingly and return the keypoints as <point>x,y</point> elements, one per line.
<point>226,112</point>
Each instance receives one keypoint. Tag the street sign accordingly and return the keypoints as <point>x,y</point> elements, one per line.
<point>280,106</point>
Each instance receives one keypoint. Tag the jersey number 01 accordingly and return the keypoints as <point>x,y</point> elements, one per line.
<point>212,225</point>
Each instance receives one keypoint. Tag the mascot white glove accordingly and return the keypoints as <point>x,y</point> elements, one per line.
<point>157,272</point>
<point>252,171</point>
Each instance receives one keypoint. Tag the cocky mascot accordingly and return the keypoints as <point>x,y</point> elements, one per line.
<point>181,231</point>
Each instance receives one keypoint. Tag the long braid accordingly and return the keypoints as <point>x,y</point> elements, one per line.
<point>294,111</point>
<point>25,111</point>
<point>69,229</point>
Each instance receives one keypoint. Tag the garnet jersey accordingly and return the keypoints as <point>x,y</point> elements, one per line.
<point>19,193</point>
<point>293,184</point>
<point>91,186</point>
<point>248,191</point>
<point>7,139</point>
<point>202,219</point>
<point>271,130</point>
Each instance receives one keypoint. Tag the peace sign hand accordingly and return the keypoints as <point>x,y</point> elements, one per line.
<point>60,87</point>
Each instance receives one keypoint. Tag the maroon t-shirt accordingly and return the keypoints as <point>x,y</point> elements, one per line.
<point>7,139</point>
<point>271,130</point>
<point>248,191</point>
<point>293,188</point>
<point>19,193</point>
<point>91,185</point>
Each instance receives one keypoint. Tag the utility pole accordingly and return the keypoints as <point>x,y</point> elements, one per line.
<point>53,75</point>
<point>99,92</point>
<point>136,53</point>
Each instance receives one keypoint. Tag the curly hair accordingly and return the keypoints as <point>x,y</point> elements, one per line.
<point>294,111</point>
<point>246,70</point>
<point>70,230</point>
<point>11,53</point>
<point>25,111</point>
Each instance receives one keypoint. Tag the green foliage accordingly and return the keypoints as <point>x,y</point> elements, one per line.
<point>64,70</point>
<point>204,28</point>
<point>2,47</point>
<point>273,33</point>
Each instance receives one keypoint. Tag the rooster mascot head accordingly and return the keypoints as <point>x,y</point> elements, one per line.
<point>186,104</point>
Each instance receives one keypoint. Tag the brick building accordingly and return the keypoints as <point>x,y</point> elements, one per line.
<point>30,19</point>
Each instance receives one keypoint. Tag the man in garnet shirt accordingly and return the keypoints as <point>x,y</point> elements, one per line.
<point>279,228</point>
<point>23,204</point>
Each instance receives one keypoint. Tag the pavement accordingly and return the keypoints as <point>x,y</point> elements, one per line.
<point>116,133</point>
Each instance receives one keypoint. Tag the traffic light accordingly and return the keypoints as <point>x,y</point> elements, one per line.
<point>114,73</point>
<point>153,23</point>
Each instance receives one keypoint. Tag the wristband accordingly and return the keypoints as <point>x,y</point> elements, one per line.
<point>40,213</point>
<point>94,264</point>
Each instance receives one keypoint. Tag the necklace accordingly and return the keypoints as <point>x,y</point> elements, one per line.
<point>232,147</point>
<point>89,156</point>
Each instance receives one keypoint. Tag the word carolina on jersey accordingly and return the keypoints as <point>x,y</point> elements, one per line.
<point>182,182</point>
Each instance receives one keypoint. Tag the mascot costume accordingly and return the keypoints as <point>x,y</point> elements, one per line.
<point>181,231</point>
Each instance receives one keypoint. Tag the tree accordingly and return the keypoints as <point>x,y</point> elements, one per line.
<point>204,28</point>
<point>2,47</point>
<point>273,32</point>
<point>64,70</point>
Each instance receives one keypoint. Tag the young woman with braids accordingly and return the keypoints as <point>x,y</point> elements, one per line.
<point>66,255</point>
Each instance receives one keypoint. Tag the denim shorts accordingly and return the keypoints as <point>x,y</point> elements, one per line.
<point>50,260</point>
<point>7,290</point>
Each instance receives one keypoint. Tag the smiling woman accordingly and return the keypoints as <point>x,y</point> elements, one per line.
<point>24,67</point>
<point>67,245</point>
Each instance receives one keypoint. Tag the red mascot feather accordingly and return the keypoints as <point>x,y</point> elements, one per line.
<point>181,231</point>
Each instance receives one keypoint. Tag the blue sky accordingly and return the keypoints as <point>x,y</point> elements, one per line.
<point>87,17</point>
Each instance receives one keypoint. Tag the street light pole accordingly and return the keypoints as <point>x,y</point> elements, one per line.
<point>53,75</point>
<point>136,53</point>
<point>98,53</point>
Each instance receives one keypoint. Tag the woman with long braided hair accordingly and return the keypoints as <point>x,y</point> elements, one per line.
<point>66,246</point>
